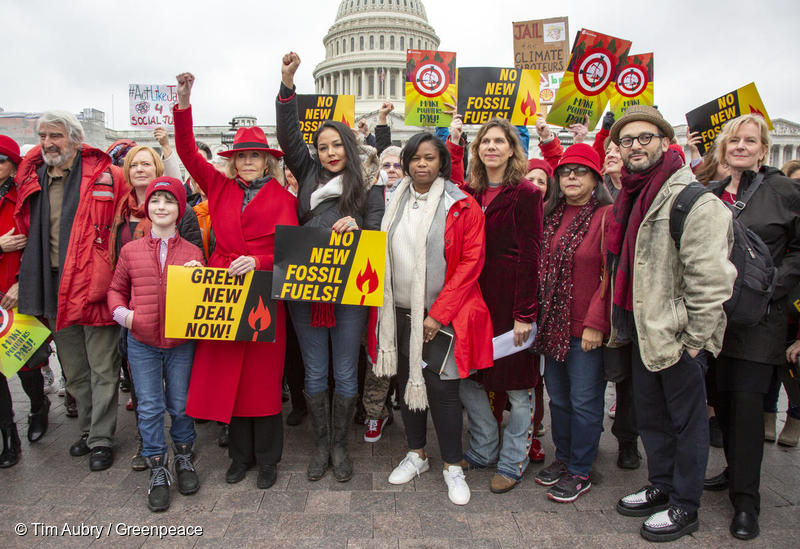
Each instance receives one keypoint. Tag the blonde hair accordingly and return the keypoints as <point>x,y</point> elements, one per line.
<point>273,168</point>
<point>126,164</point>
<point>517,166</point>
<point>732,127</point>
<point>790,167</point>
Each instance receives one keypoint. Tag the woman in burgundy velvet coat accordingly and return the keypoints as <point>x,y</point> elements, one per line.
<point>513,209</point>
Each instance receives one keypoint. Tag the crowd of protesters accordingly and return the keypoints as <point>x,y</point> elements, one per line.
<point>573,259</point>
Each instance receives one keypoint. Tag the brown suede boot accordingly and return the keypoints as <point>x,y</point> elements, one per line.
<point>791,433</point>
<point>769,426</point>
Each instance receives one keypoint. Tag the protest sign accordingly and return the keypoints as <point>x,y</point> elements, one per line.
<point>633,85</point>
<point>485,92</point>
<point>543,45</point>
<point>584,91</point>
<point>430,82</point>
<point>709,119</point>
<point>151,105</point>
<point>313,110</point>
<point>315,264</point>
<point>20,336</point>
<point>208,303</point>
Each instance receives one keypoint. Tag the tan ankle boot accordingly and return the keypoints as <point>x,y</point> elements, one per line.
<point>769,426</point>
<point>791,432</point>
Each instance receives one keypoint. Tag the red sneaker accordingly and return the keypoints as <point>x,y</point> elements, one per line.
<point>129,405</point>
<point>374,429</point>
<point>537,452</point>
<point>612,410</point>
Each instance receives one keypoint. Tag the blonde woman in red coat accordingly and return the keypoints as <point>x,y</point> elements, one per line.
<point>232,381</point>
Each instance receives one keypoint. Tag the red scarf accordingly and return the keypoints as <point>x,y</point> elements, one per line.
<point>638,192</point>
<point>127,208</point>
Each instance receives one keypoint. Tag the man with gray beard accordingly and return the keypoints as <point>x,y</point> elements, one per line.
<point>68,196</point>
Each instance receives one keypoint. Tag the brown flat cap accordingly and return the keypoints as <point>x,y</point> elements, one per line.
<point>644,113</point>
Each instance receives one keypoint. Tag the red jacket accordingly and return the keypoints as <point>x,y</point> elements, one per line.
<point>460,302</point>
<point>87,268</point>
<point>9,261</point>
<point>140,285</point>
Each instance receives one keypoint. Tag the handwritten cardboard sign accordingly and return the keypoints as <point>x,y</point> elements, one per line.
<point>543,45</point>
<point>151,105</point>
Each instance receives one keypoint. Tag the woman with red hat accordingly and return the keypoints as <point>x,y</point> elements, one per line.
<point>573,319</point>
<point>11,245</point>
<point>512,206</point>
<point>240,382</point>
<point>332,194</point>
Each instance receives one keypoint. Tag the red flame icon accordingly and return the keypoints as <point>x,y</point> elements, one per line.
<point>344,121</point>
<point>369,278</point>
<point>756,111</point>
<point>259,318</point>
<point>528,107</point>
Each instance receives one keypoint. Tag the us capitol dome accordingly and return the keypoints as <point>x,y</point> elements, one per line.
<point>365,51</point>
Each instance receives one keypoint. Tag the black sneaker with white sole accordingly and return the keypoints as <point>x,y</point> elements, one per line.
<point>569,488</point>
<point>643,503</point>
<point>552,473</point>
<point>669,524</point>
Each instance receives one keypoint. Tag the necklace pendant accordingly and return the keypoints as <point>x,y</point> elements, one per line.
<point>415,205</point>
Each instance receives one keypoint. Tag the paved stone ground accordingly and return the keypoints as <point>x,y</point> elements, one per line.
<point>52,488</point>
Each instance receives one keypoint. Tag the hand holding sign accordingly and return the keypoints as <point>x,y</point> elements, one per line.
<point>242,265</point>
<point>579,131</point>
<point>693,139</point>
<point>456,129</point>
<point>9,300</point>
<point>345,225</point>
<point>185,83</point>
<point>542,129</point>
<point>288,68</point>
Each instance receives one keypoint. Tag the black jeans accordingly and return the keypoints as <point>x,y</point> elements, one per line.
<point>445,406</point>
<point>673,423</point>
<point>624,426</point>
<point>256,440</point>
<point>33,385</point>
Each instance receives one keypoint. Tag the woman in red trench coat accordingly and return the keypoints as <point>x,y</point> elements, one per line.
<point>240,382</point>
<point>512,206</point>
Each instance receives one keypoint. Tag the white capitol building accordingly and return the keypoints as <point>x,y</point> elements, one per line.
<point>365,56</point>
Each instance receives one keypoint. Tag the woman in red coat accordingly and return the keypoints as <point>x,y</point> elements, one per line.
<point>11,245</point>
<point>240,382</point>
<point>509,280</point>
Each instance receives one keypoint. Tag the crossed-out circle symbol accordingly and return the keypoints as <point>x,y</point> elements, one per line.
<point>430,80</point>
<point>594,72</point>
<point>632,80</point>
<point>6,320</point>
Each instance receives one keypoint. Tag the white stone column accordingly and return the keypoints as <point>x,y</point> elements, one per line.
<point>376,80</point>
<point>364,90</point>
<point>352,90</point>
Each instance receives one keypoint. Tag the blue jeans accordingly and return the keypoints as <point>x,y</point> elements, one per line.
<point>576,388</point>
<point>161,378</point>
<point>512,458</point>
<point>345,340</point>
<point>771,398</point>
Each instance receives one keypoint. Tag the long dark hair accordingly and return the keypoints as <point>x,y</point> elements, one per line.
<point>354,191</point>
<point>418,139</point>
<point>600,193</point>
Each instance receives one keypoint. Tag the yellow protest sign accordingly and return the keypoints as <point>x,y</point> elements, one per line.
<point>709,119</point>
<point>430,83</point>
<point>319,265</point>
<point>486,92</point>
<point>208,303</point>
<point>633,85</point>
<point>313,110</point>
<point>20,336</point>
<point>584,90</point>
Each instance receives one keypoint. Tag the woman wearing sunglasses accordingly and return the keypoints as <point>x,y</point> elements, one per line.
<point>573,320</point>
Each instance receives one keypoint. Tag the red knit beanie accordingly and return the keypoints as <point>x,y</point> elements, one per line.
<point>583,155</point>
<point>539,164</point>
<point>171,185</point>
<point>678,149</point>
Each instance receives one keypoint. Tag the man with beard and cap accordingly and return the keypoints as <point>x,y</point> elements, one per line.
<point>667,301</point>
<point>68,193</point>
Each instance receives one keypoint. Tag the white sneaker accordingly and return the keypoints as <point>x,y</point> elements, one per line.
<point>457,489</point>
<point>62,387</point>
<point>411,466</point>
<point>49,381</point>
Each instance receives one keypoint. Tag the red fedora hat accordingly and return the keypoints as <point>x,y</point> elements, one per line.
<point>9,148</point>
<point>250,139</point>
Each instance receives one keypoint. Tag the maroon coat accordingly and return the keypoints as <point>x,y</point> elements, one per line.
<point>236,378</point>
<point>139,284</point>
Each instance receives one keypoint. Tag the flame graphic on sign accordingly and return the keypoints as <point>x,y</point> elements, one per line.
<point>259,318</point>
<point>344,121</point>
<point>369,278</point>
<point>528,107</point>
<point>754,110</point>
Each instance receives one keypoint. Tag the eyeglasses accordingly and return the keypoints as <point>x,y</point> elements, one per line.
<point>3,158</point>
<point>644,139</point>
<point>389,166</point>
<point>564,171</point>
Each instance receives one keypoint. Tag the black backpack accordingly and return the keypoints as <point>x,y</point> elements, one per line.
<point>755,278</point>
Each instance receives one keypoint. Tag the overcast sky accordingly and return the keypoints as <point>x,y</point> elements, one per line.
<point>81,53</point>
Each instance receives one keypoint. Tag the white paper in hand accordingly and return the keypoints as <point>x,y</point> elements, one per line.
<point>504,343</point>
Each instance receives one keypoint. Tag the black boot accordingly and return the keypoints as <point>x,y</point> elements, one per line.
<point>188,481</point>
<point>224,435</point>
<point>319,406</point>
<point>11,447</point>
<point>160,479</point>
<point>343,411</point>
<point>629,457</point>
<point>37,421</point>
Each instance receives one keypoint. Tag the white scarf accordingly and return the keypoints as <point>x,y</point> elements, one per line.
<point>331,189</point>
<point>416,396</point>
